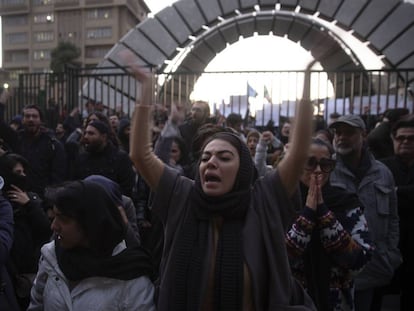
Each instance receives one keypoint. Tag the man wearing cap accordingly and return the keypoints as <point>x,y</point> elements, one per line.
<point>101,157</point>
<point>357,171</point>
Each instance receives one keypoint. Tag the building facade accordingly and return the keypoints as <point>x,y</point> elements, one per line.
<point>32,29</point>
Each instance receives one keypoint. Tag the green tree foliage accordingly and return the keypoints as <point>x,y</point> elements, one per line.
<point>64,53</point>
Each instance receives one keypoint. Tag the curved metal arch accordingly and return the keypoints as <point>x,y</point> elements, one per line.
<point>324,45</point>
<point>386,24</point>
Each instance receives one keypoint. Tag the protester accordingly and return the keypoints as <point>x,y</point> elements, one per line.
<point>401,164</point>
<point>39,146</point>
<point>357,171</point>
<point>329,241</point>
<point>224,240</point>
<point>31,227</point>
<point>88,266</point>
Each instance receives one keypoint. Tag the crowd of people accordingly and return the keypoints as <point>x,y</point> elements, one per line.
<point>180,210</point>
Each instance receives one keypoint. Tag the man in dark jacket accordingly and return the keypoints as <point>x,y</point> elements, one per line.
<point>39,146</point>
<point>401,164</point>
<point>101,157</point>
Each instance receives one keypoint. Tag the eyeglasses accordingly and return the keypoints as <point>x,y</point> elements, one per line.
<point>326,165</point>
<point>402,138</point>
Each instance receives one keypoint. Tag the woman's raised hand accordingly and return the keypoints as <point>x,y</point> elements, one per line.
<point>142,74</point>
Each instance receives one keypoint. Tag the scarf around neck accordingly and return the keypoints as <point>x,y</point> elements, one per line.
<point>81,263</point>
<point>192,253</point>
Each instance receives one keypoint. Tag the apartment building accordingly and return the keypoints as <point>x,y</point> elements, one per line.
<point>32,29</point>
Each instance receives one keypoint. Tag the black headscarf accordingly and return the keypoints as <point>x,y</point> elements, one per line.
<point>89,204</point>
<point>191,253</point>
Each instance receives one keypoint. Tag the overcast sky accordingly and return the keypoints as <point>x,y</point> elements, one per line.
<point>157,5</point>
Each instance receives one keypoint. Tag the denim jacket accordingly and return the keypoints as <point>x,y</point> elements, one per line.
<point>376,191</point>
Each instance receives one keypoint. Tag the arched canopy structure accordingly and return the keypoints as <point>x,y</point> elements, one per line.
<point>189,34</point>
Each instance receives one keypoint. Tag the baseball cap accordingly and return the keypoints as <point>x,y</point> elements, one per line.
<point>349,119</point>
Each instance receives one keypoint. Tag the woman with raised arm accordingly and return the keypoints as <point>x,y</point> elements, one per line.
<point>224,235</point>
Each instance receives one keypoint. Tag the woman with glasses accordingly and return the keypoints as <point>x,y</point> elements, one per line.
<point>329,242</point>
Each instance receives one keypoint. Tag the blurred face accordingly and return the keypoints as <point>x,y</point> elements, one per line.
<point>348,139</point>
<point>91,118</point>
<point>175,152</point>
<point>286,129</point>
<point>127,130</point>
<point>59,129</point>
<point>114,120</point>
<point>218,168</point>
<point>252,142</point>
<point>67,230</point>
<point>198,112</point>
<point>319,163</point>
<point>18,169</point>
<point>93,139</point>
<point>404,142</point>
<point>31,120</point>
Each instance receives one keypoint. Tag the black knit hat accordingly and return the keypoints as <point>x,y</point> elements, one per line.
<point>100,126</point>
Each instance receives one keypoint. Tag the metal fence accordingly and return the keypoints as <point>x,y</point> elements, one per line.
<point>264,96</point>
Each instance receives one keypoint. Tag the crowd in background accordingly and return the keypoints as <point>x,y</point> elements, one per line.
<point>77,208</point>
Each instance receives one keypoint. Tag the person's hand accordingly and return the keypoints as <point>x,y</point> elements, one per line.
<point>139,73</point>
<point>177,114</point>
<point>314,197</point>
<point>17,195</point>
<point>144,224</point>
<point>74,112</point>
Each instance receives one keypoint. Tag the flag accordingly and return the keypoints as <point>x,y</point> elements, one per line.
<point>251,92</point>
<point>267,95</point>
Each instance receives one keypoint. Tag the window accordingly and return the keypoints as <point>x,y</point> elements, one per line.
<point>18,20</point>
<point>11,2</point>
<point>16,38</point>
<point>99,33</point>
<point>16,56</point>
<point>43,18</point>
<point>43,36</point>
<point>102,13</point>
<point>96,51</point>
<point>41,55</point>
<point>14,75</point>
<point>42,2</point>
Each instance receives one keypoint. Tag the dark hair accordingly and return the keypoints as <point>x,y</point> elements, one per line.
<point>33,106</point>
<point>405,121</point>
<point>182,146</point>
<point>102,127</point>
<point>393,115</point>
<point>203,132</point>
<point>327,133</point>
<point>113,137</point>
<point>320,142</point>
<point>246,173</point>
<point>101,117</point>
<point>7,163</point>
<point>89,204</point>
<point>234,119</point>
